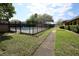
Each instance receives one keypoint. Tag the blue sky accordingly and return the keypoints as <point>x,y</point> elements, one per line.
<point>58,11</point>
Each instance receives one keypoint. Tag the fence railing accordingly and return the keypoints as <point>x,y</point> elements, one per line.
<point>27,28</point>
<point>23,27</point>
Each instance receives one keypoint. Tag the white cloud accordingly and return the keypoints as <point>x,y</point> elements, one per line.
<point>41,1</point>
<point>57,10</point>
<point>72,14</point>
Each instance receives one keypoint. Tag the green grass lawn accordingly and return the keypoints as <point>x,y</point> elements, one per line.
<point>20,44</point>
<point>67,43</point>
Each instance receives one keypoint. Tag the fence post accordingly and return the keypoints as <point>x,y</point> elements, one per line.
<point>20,26</point>
<point>32,28</point>
<point>41,26</point>
<point>37,27</point>
<point>9,25</point>
<point>29,28</point>
<point>15,27</point>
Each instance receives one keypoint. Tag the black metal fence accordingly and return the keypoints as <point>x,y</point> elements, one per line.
<point>23,27</point>
<point>27,28</point>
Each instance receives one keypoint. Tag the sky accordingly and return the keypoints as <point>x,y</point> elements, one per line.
<point>64,11</point>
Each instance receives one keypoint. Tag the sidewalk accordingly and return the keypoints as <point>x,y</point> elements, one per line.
<point>47,47</point>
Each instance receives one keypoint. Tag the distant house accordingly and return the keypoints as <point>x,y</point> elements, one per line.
<point>4,27</point>
<point>74,21</point>
<point>66,22</point>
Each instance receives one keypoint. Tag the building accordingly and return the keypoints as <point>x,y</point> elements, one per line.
<point>4,27</point>
<point>74,21</point>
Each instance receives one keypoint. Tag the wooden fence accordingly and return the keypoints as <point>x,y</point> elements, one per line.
<point>4,26</point>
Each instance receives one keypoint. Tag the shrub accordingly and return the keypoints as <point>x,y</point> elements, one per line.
<point>62,27</point>
<point>66,27</point>
<point>74,28</point>
<point>77,28</point>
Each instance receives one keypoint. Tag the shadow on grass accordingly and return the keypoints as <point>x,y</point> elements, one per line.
<point>3,38</point>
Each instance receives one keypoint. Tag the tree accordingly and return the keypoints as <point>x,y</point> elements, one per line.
<point>6,11</point>
<point>35,18</point>
<point>47,17</point>
<point>59,22</point>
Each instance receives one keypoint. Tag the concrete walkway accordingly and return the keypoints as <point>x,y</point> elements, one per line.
<point>47,47</point>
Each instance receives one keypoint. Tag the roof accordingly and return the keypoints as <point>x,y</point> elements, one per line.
<point>65,21</point>
<point>76,18</point>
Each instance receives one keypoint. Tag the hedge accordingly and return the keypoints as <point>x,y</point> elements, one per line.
<point>74,28</point>
<point>62,27</point>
